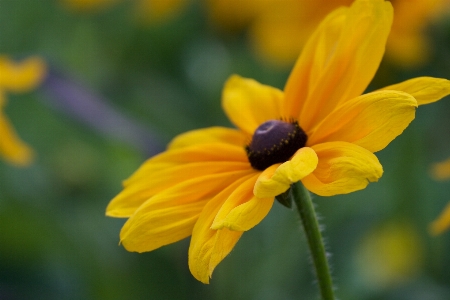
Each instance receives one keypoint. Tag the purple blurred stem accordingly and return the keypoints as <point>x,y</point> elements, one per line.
<point>84,106</point>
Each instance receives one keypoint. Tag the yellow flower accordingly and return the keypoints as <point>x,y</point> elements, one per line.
<point>17,77</point>
<point>216,183</point>
<point>272,30</point>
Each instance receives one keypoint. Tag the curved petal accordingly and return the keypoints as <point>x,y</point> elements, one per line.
<point>442,223</point>
<point>242,210</point>
<point>338,61</point>
<point>134,195</point>
<point>209,135</point>
<point>249,103</point>
<point>343,168</point>
<point>425,89</point>
<point>277,179</point>
<point>205,153</point>
<point>11,147</point>
<point>209,247</point>
<point>21,76</point>
<point>170,215</point>
<point>173,167</point>
<point>247,215</point>
<point>371,121</point>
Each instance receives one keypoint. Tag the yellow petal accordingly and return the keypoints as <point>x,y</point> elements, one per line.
<point>204,153</point>
<point>371,121</point>
<point>247,215</point>
<point>338,61</point>
<point>134,195</point>
<point>209,247</point>
<point>441,171</point>
<point>11,147</point>
<point>21,76</point>
<point>170,215</point>
<point>442,223</point>
<point>425,89</point>
<point>248,103</point>
<point>277,179</point>
<point>152,228</point>
<point>209,135</point>
<point>343,168</point>
<point>273,31</point>
<point>173,167</point>
<point>242,210</point>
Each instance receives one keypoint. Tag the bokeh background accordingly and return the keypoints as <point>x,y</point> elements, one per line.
<point>121,83</point>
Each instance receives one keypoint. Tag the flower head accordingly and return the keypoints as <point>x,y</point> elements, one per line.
<point>218,182</point>
<point>16,77</point>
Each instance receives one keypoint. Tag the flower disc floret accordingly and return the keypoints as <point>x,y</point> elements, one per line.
<point>274,142</point>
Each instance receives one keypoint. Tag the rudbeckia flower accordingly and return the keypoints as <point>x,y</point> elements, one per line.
<point>214,184</point>
<point>16,77</point>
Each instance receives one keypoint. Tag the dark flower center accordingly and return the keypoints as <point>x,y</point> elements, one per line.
<point>274,142</point>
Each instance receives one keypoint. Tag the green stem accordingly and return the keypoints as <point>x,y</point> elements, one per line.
<point>305,207</point>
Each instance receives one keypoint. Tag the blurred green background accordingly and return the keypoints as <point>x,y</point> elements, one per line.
<point>165,79</point>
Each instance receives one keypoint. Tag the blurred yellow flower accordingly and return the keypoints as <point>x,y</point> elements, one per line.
<point>218,182</point>
<point>389,255</point>
<point>280,28</point>
<point>17,77</point>
<point>146,11</point>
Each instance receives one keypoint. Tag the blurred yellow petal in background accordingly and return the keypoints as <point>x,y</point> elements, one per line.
<point>389,255</point>
<point>441,170</point>
<point>442,223</point>
<point>17,77</point>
